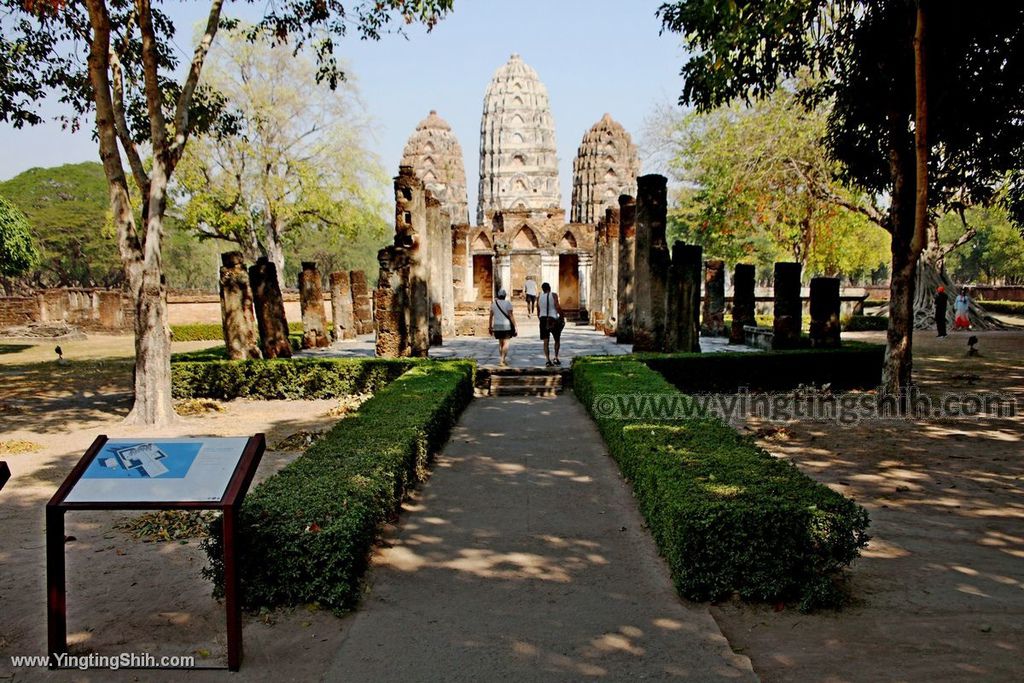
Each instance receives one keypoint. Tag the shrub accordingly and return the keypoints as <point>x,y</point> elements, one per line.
<point>851,366</point>
<point>726,515</point>
<point>865,323</point>
<point>1011,307</point>
<point>306,532</point>
<point>197,332</point>
<point>202,376</point>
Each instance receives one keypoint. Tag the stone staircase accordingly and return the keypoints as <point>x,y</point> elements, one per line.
<point>522,381</point>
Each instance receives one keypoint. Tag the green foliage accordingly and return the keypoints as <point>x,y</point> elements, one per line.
<point>854,365</point>
<point>725,514</point>
<point>994,254</point>
<point>67,208</point>
<point>295,175</point>
<point>306,532</point>
<point>765,190</point>
<point>866,323</point>
<point>205,374</point>
<point>17,252</point>
<point>197,332</point>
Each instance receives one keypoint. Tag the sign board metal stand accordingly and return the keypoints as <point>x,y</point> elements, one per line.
<point>5,473</point>
<point>109,492</point>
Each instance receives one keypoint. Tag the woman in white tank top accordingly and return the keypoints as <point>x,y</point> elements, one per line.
<point>502,323</point>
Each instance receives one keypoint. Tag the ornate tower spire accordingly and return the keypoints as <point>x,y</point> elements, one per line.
<point>435,156</point>
<point>518,154</point>
<point>606,166</point>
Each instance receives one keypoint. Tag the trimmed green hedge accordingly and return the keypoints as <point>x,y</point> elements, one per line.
<point>854,365</point>
<point>865,323</point>
<point>726,515</point>
<point>1011,307</point>
<point>306,532</point>
<point>300,378</point>
<point>214,332</point>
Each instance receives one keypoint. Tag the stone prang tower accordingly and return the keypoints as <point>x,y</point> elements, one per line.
<point>518,154</point>
<point>605,167</point>
<point>435,156</point>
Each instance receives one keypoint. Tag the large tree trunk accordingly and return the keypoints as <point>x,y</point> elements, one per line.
<point>153,402</point>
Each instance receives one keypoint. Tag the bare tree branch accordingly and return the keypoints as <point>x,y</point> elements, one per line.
<point>185,98</point>
<point>121,125</point>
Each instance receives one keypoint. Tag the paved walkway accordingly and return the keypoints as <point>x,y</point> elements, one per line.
<point>526,350</point>
<point>524,558</point>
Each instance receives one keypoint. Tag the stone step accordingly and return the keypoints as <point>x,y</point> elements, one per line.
<point>521,381</point>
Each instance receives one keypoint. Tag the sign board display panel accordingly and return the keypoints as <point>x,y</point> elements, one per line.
<point>159,470</point>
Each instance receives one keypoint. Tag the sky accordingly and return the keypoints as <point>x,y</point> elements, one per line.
<point>594,56</point>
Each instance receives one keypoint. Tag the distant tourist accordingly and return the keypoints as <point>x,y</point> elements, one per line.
<point>941,303</point>
<point>502,323</point>
<point>961,309</point>
<point>530,289</point>
<point>551,322</point>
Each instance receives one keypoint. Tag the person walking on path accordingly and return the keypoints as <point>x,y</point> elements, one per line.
<point>962,307</point>
<point>551,322</point>
<point>502,324</point>
<point>530,289</point>
<point>941,302</point>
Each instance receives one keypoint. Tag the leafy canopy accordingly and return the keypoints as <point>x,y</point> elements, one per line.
<point>17,252</point>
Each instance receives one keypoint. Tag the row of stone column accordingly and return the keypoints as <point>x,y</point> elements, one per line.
<point>656,302</point>
<point>414,302</point>
<point>253,314</point>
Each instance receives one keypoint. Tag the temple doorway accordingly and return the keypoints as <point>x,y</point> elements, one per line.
<point>569,281</point>
<point>483,276</point>
<point>523,266</point>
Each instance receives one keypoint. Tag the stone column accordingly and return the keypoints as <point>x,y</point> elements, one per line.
<point>625,291</point>
<point>742,302</point>
<point>683,326</point>
<point>462,264</point>
<point>362,312</point>
<point>611,272</point>
<point>503,275</point>
<point>341,306</point>
<point>237,318</point>
<point>411,235</point>
<point>824,330</point>
<point>788,308</point>
<point>269,304</point>
<point>311,302</point>
<point>433,267</point>
<point>596,310</point>
<point>390,310</point>
<point>713,311</point>
<point>549,271</point>
<point>447,276</point>
<point>652,262</point>
<point>586,277</point>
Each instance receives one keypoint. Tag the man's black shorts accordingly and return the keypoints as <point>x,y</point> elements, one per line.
<point>550,326</point>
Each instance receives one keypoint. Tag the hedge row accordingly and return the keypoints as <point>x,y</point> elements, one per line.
<point>214,331</point>
<point>306,532</point>
<point>299,378</point>
<point>726,515</point>
<point>1011,307</point>
<point>866,323</point>
<point>852,366</point>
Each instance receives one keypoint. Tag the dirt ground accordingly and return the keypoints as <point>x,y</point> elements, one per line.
<point>939,591</point>
<point>938,594</point>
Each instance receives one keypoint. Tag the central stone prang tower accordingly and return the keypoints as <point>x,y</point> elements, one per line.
<point>606,166</point>
<point>435,156</point>
<point>518,154</point>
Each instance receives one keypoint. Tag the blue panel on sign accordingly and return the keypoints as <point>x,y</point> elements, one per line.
<point>144,460</point>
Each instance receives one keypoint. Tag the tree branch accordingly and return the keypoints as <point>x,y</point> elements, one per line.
<point>188,91</point>
<point>828,194</point>
<point>121,125</point>
<point>151,77</point>
<point>968,234</point>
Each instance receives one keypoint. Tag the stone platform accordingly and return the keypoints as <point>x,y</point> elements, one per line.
<point>526,350</point>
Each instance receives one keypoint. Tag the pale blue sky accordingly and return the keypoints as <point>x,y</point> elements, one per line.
<point>594,56</point>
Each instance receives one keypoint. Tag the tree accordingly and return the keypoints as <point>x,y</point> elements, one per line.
<point>18,254</point>
<point>994,256</point>
<point>756,174</point>
<point>67,207</point>
<point>117,60</point>
<point>294,161</point>
<point>929,129</point>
